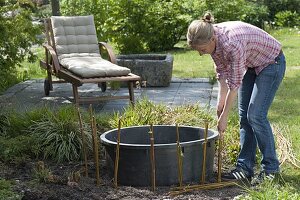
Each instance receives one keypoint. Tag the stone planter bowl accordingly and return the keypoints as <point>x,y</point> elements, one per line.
<point>155,69</point>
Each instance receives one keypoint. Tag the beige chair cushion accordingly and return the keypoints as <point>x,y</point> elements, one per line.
<point>89,67</point>
<point>74,34</point>
<point>77,47</point>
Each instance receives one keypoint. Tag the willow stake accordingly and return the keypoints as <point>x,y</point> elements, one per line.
<point>220,157</point>
<point>92,125</point>
<point>96,151</point>
<point>210,186</point>
<point>117,155</point>
<point>152,158</point>
<point>83,142</point>
<point>179,157</point>
<point>204,153</point>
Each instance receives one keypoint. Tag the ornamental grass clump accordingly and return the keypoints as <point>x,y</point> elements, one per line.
<point>58,135</point>
<point>146,112</point>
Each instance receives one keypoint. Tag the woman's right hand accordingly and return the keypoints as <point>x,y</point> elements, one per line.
<point>219,112</point>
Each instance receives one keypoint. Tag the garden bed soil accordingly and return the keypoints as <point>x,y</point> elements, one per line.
<point>61,187</point>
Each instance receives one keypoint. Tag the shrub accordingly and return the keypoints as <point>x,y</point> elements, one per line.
<point>287,19</point>
<point>139,26</point>
<point>17,35</point>
<point>255,14</point>
<point>237,10</point>
<point>135,26</point>
<point>167,21</point>
<point>280,5</point>
<point>100,9</point>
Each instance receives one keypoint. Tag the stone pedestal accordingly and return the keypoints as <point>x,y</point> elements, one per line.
<point>155,69</point>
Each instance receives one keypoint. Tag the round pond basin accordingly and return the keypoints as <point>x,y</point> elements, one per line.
<point>134,161</point>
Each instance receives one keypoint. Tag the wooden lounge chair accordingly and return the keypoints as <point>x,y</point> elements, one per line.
<point>73,55</point>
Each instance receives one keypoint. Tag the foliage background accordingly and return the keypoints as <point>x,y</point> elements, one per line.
<point>136,26</point>
<point>17,35</point>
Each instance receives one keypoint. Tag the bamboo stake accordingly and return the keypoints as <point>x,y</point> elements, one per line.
<point>151,127</point>
<point>95,144</point>
<point>117,155</point>
<point>96,151</point>
<point>209,186</point>
<point>220,157</point>
<point>179,157</point>
<point>152,158</point>
<point>204,153</point>
<point>206,186</point>
<point>92,126</point>
<point>83,142</point>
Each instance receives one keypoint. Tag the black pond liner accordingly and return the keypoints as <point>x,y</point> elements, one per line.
<point>134,161</point>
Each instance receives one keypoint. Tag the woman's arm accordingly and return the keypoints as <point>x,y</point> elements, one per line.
<point>229,101</point>
<point>223,89</point>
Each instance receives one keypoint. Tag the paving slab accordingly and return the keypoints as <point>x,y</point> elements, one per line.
<point>30,94</point>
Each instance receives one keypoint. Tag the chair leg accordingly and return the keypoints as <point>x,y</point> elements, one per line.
<point>75,94</point>
<point>49,77</point>
<point>131,92</point>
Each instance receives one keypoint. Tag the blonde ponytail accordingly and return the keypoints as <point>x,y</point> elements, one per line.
<point>200,31</point>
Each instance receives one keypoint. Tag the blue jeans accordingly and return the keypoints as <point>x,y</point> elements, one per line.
<point>254,99</point>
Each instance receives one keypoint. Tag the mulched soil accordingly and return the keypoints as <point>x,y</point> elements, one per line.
<point>59,186</point>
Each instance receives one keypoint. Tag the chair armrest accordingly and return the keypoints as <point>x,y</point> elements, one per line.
<point>111,54</point>
<point>53,55</point>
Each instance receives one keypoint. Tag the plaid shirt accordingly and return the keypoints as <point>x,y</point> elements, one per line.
<point>241,46</point>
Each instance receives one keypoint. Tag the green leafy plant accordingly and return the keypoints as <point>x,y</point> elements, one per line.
<point>41,173</point>
<point>6,191</point>
<point>17,149</point>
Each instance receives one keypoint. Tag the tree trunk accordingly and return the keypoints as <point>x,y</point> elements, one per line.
<point>55,7</point>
